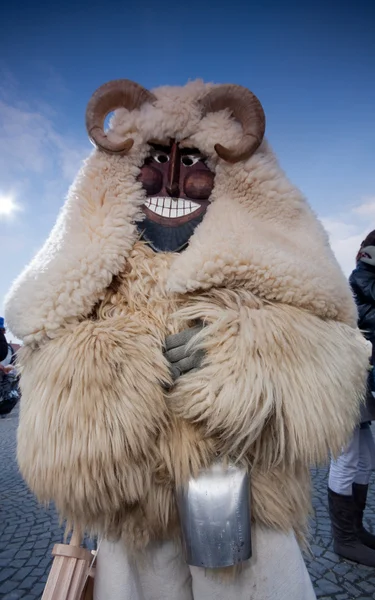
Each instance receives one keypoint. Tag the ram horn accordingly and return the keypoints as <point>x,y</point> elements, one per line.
<point>114,94</point>
<point>247,109</point>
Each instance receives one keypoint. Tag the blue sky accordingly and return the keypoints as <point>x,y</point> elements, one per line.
<point>312,64</point>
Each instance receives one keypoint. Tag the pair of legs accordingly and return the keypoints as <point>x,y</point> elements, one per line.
<point>355,464</point>
<point>348,481</point>
<point>275,572</point>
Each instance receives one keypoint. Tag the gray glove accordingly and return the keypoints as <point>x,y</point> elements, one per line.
<point>181,359</point>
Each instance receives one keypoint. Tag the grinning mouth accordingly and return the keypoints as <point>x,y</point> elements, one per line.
<point>171,207</point>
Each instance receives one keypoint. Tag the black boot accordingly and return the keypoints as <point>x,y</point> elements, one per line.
<point>360,497</point>
<point>346,542</point>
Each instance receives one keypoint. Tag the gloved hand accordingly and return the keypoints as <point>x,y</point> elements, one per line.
<point>181,358</point>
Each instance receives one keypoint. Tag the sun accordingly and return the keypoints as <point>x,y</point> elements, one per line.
<point>7,206</point>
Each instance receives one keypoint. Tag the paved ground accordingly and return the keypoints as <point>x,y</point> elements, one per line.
<point>28,532</point>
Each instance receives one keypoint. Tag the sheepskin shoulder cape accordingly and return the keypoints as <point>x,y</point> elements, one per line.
<point>284,369</point>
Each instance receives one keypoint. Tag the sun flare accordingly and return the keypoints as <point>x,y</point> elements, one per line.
<point>7,206</point>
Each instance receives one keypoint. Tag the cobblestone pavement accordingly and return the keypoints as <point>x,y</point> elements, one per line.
<point>334,578</point>
<point>28,532</point>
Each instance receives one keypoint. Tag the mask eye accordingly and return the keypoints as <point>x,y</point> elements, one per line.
<point>160,156</point>
<point>190,159</point>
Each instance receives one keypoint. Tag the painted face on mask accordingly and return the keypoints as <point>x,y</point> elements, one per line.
<point>177,181</point>
<point>178,185</point>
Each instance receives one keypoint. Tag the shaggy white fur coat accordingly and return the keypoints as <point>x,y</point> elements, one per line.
<point>285,366</point>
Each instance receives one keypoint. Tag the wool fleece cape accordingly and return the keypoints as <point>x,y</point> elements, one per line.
<point>182,216</point>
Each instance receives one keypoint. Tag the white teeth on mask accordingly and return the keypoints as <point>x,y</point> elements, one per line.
<point>171,207</point>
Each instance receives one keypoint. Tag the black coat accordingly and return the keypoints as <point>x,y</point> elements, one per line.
<point>3,346</point>
<point>362,282</point>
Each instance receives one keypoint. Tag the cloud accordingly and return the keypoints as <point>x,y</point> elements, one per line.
<point>31,145</point>
<point>37,165</point>
<point>25,137</point>
<point>348,229</point>
<point>33,150</point>
<point>367,209</point>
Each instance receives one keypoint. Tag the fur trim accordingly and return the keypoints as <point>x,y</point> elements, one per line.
<point>271,372</point>
<point>96,418</point>
<point>87,247</point>
<point>281,499</point>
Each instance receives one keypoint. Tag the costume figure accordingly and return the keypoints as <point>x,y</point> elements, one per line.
<point>186,309</point>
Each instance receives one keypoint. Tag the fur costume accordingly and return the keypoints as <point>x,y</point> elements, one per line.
<point>284,368</point>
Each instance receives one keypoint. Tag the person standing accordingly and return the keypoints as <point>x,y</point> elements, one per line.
<point>350,473</point>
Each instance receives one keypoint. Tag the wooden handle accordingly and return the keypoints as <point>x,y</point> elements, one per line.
<point>76,538</point>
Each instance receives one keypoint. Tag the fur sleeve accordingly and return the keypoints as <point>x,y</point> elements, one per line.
<point>277,384</point>
<point>87,247</point>
<point>92,406</point>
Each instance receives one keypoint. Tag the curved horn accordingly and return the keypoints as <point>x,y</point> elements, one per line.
<point>114,94</point>
<point>247,109</point>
